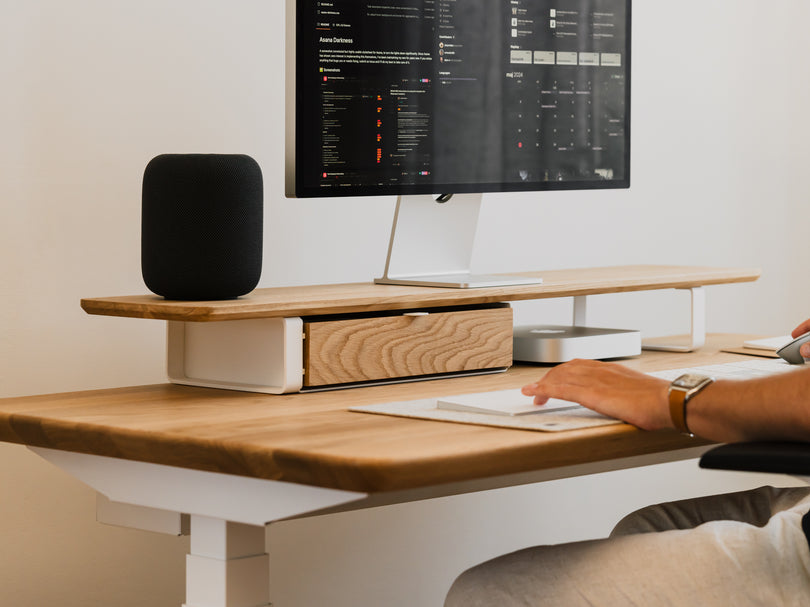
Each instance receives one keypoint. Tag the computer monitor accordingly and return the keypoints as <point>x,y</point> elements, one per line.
<point>440,101</point>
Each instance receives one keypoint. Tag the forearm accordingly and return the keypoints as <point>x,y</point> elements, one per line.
<point>770,408</point>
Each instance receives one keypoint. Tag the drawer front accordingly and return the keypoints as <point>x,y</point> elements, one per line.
<point>389,347</point>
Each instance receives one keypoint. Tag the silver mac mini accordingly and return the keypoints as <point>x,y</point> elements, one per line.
<point>561,343</point>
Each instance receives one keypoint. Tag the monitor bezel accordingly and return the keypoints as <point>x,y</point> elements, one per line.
<point>295,190</point>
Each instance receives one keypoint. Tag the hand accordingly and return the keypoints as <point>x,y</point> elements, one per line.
<point>801,330</point>
<point>608,388</point>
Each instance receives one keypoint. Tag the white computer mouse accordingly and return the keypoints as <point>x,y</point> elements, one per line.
<point>790,352</point>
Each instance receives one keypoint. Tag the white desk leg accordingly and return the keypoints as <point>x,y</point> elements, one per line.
<point>227,566</point>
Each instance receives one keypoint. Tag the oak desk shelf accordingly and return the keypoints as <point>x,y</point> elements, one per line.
<point>292,339</point>
<point>367,297</point>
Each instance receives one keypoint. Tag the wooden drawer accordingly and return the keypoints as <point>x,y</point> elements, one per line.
<point>407,344</point>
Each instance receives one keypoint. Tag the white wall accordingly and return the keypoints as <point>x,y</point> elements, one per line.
<point>90,90</point>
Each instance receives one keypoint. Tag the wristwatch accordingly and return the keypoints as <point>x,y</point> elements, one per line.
<point>681,392</point>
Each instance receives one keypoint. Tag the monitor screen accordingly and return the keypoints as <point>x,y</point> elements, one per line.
<point>453,96</point>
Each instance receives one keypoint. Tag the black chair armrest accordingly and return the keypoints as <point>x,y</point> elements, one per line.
<point>779,457</point>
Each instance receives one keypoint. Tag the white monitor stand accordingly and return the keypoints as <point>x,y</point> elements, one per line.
<point>432,242</point>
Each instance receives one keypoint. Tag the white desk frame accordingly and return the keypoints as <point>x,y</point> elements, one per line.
<point>226,515</point>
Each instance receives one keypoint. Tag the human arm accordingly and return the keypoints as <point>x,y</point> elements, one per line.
<point>767,408</point>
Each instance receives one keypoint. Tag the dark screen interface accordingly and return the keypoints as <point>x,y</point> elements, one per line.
<point>445,96</point>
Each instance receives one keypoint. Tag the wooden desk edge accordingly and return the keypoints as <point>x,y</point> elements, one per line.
<point>366,475</point>
<point>313,439</point>
<point>381,476</point>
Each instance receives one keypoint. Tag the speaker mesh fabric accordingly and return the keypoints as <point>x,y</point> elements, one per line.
<point>201,225</point>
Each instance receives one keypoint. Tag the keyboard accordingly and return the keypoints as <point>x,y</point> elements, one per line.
<point>745,369</point>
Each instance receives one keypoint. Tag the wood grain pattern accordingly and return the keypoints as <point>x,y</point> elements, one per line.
<point>366,349</point>
<point>366,297</point>
<point>313,439</point>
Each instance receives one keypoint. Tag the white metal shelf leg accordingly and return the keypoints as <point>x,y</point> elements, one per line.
<point>580,310</point>
<point>227,566</point>
<point>698,331</point>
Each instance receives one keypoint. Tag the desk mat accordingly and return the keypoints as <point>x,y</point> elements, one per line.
<point>557,421</point>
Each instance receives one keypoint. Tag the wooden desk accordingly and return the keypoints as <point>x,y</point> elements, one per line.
<point>312,439</point>
<point>236,461</point>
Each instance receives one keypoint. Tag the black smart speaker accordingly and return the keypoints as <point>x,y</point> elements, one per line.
<point>201,225</point>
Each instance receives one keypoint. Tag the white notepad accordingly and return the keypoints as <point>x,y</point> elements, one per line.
<point>501,402</point>
<point>568,417</point>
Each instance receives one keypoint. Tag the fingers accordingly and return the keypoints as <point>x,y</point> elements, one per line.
<point>572,381</point>
<point>608,388</point>
<point>801,329</point>
<point>533,390</point>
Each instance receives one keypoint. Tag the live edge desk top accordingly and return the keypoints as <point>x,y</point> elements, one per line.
<point>313,439</point>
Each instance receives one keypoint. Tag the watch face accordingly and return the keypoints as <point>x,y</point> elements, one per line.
<point>689,380</point>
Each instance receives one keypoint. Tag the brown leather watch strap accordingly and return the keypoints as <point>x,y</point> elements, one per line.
<point>677,410</point>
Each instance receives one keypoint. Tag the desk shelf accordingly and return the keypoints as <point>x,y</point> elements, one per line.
<point>279,302</point>
<point>264,342</point>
